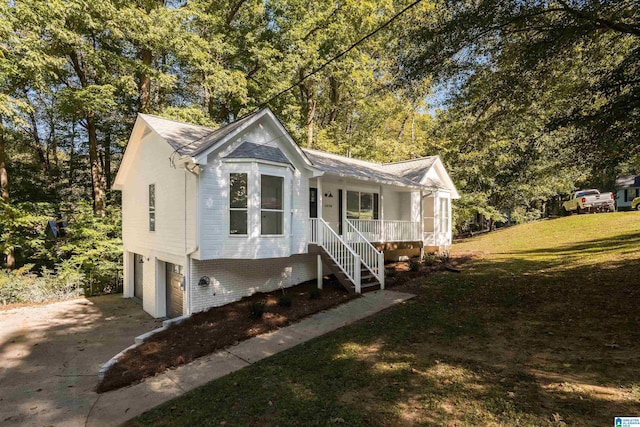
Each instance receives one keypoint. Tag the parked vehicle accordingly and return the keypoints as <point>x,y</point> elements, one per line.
<point>635,204</point>
<point>588,201</point>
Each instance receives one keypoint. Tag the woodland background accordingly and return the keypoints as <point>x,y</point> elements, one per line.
<point>524,101</point>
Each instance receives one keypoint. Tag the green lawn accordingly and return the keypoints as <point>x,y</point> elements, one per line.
<point>541,328</point>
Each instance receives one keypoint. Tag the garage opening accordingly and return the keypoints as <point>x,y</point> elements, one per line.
<point>175,292</point>
<point>138,263</point>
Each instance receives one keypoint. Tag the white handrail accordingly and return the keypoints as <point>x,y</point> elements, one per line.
<point>388,230</point>
<point>338,250</point>
<point>370,256</point>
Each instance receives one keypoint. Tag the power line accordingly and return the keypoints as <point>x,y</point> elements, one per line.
<point>340,55</point>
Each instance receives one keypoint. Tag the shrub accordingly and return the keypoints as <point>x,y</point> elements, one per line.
<point>256,309</point>
<point>315,293</point>
<point>414,265</point>
<point>22,286</point>
<point>390,272</point>
<point>285,300</point>
<point>444,257</point>
<point>430,258</point>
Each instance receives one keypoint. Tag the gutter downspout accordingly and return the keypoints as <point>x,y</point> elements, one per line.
<point>193,250</point>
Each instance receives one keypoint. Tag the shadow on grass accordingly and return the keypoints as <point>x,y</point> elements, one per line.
<point>507,342</point>
<point>629,241</point>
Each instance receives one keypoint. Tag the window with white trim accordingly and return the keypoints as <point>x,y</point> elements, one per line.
<point>238,223</point>
<point>271,205</point>
<point>152,207</point>
<point>444,214</point>
<point>362,205</point>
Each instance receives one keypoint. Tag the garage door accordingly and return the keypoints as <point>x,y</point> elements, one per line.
<point>137,275</point>
<point>174,290</point>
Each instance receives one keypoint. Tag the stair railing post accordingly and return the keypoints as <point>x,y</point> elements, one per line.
<point>381,269</point>
<point>357,274</point>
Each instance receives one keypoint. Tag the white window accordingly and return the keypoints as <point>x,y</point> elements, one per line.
<point>444,215</point>
<point>238,203</point>
<point>362,205</point>
<point>271,205</point>
<point>152,207</point>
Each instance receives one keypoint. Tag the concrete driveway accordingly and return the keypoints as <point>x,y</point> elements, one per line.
<point>50,356</point>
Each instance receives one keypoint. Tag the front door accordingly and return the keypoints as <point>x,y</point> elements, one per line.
<point>138,261</point>
<point>313,203</point>
<point>174,290</point>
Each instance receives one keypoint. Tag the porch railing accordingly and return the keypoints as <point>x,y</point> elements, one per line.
<point>337,249</point>
<point>371,258</point>
<point>388,230</point>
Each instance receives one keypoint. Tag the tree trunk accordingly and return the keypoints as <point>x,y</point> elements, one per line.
<point>4,177</point>
<point>97,174</point>
<point>145,81</point>
<point>4,190</point>
<point>335,98</point>
<point>106,146</point>
<point>311,112</point>
<point>307,100</point>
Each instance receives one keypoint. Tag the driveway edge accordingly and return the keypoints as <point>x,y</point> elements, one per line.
<point>118,406</point>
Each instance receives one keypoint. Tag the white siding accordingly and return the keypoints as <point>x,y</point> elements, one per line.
<point>151,166</point>
<point>173,236</point>
<point>391,202</point>
<point>232,279</point>
<point>404,201</point>
<point>215,240</point>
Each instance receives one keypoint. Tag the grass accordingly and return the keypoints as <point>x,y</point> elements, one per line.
<point>541,328</point>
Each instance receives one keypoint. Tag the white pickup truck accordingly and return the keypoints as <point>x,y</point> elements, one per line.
<point>590,201</point>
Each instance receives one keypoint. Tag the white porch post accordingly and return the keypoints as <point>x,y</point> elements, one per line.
<point>383,238</point>
<point>421,230</point>
<point>319,271</point>
<point>320,200</point>
<point>344,205</point>
<point>320,196</point>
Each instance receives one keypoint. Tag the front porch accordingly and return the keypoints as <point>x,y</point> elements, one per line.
<point>355,224</point>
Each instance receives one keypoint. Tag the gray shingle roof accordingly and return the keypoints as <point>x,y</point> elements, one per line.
<point>411,169</point>
<point>188,139</point>
<point>361,169</point>
<point>191,140</point>
<point>249,150</point>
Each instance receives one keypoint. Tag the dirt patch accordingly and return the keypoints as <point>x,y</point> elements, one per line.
<point>217,328</point>
<point>400,273</point>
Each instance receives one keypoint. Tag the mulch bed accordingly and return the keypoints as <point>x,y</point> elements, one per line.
<point>217,328</point>
<point>220,327</point>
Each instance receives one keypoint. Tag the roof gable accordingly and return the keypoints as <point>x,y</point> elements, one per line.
<point>188,139</point>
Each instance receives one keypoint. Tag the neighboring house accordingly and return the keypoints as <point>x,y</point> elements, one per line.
<point>210,216</point>
<point>627,189</point>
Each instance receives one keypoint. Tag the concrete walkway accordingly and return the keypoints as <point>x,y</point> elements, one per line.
<point>118,406</point>
<point>50,354</point>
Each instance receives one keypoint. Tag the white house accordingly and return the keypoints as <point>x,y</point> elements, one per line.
<point>210,216</point>
<point>627,189</point>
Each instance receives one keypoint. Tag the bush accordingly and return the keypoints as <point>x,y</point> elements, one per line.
<point>430,258</point>
<point>444,257</point>
<point>22,286</point>
<point>256,309</point>
<point>285,300</point>
<point>390,272</point>
<point>414,265</point>
<point>90,252</point>
<point>315,293</point>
